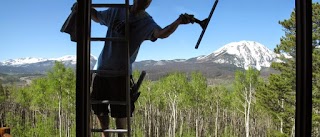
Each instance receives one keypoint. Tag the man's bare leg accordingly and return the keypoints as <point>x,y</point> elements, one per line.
<point>104,123</point>
<point>121,123</point>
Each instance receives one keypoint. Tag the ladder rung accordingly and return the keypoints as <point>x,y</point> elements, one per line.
<point>108,5</point>
<point>108,102</point>
<point>108,39</point>
<point>110,130</point>
<point>109,73</point>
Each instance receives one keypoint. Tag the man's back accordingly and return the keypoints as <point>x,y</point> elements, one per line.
<point>141,28</point>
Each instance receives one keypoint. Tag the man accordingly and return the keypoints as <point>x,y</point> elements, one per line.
<point>142,27</point>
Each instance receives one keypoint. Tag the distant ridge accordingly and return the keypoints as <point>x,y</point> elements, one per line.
<point>30,65</point>
<point>225,60</point>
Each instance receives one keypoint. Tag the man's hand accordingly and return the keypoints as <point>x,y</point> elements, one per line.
<point>186,18</point>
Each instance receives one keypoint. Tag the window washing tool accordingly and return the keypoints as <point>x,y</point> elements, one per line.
<point>204,23</point>
<point>135,87</point>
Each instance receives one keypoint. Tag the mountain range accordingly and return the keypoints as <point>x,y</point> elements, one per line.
<point>30,65</point>
<point>221,63</point>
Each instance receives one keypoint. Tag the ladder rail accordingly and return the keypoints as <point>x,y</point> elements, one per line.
<point>110,130</point>
<point>108,73</point>
<point>128,97</point>
<point>108,39</point>
<point>108,102</point>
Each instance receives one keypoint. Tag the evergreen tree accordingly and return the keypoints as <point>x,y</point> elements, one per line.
<point>282,86</point>
<point>316,69</point>
<point>2,104</point>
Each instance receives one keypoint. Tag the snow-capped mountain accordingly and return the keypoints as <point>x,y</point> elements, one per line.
<point>21,61</point>
<point>221,64</point>
<point>38,65</point>
<point>230,57</point>
<point>31,60</point>
<point>242,54</point>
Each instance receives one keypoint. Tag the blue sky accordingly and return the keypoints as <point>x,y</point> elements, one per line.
<point>31,28</point>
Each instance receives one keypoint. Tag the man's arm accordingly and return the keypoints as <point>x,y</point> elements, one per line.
<point>168,30</point>
<point>94,15</point>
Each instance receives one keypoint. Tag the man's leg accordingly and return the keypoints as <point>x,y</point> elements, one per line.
<point>104,123</point>
<point>121,123</point>
<point>119,111</point>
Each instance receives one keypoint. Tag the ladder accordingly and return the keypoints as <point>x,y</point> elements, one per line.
<point>109,73</point>
<point>83,100</point>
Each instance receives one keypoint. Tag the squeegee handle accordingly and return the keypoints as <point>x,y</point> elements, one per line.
<point>139,82</point>
<point>204,29</point>
<point>197,21</point>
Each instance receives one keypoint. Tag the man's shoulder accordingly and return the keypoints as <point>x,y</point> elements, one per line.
<point>143,16</point>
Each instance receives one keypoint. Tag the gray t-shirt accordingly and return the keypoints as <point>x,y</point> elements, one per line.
<point>142,27</point>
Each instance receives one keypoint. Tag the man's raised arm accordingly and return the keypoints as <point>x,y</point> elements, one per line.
<point>168,30</point>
